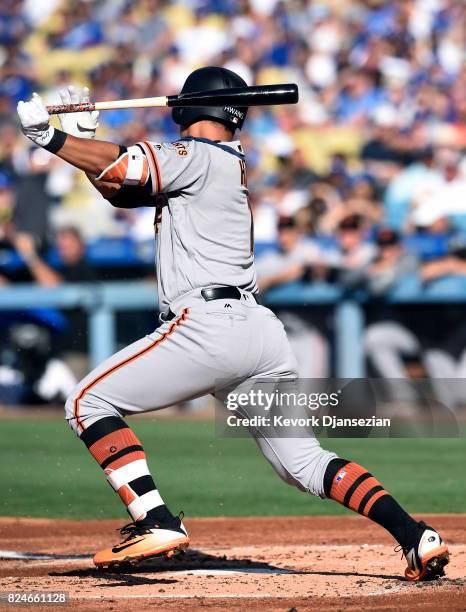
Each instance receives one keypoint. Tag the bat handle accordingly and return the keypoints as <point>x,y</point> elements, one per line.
<point>56,109</point>
<point>108,105</point>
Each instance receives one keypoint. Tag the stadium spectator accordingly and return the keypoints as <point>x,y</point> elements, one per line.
<point>401,190</point>
<point>391,263</point>
<point>441,199</point>
<point>356,252</point>
<point>71,250</point>
<point>70,265</point>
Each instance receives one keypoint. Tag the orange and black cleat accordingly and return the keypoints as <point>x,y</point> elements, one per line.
<point>427,557</point>
<point>145,540</point>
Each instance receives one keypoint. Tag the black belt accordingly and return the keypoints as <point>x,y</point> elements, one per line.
<point>221,293</point>
<point>213,293</point>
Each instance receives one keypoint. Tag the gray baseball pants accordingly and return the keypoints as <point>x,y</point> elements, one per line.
<point>232,340</point>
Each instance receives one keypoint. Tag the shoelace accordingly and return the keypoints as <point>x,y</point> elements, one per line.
<point>135,529</point>
<point>405,549</point>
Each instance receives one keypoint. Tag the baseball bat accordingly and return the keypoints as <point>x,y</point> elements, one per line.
<point>257,95</point>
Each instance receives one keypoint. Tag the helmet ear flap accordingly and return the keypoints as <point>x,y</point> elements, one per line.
<point>177,113</point>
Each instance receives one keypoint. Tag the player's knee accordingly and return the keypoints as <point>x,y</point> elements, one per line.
<point>307,473</point>
<point>83,408</point>
<point>286,475</point>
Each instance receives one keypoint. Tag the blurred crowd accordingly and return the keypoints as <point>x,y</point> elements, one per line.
<point>361,183</point>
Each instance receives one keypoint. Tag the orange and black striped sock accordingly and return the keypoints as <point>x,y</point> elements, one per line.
<point>119,453</point>
<point>354,487</point>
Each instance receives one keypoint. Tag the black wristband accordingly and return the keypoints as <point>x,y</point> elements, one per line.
<point>58,140</point>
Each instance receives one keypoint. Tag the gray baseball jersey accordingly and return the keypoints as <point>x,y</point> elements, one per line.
<point>205,234</point>
<point>204,238</point>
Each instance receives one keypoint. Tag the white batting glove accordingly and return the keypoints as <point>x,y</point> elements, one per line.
<point>35,119</point>
<point>82,125</point>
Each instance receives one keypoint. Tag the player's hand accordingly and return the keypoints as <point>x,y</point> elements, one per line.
<point>81,125</point>
<point>35,120</point>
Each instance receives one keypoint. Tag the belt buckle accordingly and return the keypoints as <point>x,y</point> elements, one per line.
<point>206,294</point>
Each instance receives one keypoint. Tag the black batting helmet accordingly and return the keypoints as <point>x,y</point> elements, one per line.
<point>204,79</point>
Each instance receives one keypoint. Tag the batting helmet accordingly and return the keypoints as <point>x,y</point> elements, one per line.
<point>205,79</point>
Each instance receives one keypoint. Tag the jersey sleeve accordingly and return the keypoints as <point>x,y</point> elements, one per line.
<point>173,166</point>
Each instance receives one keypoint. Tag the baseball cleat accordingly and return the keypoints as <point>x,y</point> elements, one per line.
<point>145,540</point>
<point>427,556</point>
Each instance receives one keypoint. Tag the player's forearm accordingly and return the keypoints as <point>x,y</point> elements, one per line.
<point>92,156</point>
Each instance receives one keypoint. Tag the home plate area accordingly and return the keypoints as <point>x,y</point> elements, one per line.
<point>318,563</point>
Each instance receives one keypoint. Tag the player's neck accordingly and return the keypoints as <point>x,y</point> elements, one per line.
<point>208,129</point>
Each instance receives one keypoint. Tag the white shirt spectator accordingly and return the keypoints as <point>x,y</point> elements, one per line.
<point>321,70</point>
<point>199,44</point>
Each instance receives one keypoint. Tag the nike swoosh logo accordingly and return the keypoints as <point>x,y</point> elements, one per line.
<point>81,129</point>
<point>121,547</point>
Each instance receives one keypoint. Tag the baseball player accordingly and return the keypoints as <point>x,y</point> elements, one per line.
<point>211,324</point>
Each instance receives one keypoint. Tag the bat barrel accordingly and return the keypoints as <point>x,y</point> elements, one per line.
<point>258,95</point>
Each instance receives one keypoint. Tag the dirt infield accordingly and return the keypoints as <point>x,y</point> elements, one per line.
<point>318,563</point>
